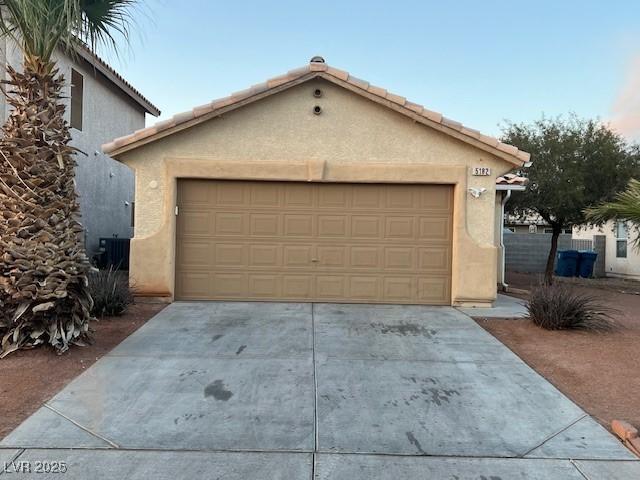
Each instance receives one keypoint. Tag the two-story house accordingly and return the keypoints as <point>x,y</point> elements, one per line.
<point>101,105</point>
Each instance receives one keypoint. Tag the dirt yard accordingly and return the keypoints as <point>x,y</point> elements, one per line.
<point>599,371</point>
<point>31,377</point>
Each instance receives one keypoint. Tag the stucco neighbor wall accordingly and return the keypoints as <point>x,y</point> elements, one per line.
<point>279,138</point>
<point>104,185</point>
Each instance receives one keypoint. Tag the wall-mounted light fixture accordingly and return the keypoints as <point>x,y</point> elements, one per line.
<point>476,192</point>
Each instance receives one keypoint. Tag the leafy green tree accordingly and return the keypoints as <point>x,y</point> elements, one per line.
<point>625,207</point>
<point>576,163</point>
<point>44,296</point>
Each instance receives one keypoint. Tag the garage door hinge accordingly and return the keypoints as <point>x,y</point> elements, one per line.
<point>176,210</point>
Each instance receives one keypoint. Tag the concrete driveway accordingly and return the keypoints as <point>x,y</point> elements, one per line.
<point>300,391</point>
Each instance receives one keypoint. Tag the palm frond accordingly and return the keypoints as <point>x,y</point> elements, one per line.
<point>39,27</point>
<point>625,207</point>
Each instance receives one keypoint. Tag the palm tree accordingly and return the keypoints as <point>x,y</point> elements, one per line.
<point>625,207</point>
<point>43,265</point>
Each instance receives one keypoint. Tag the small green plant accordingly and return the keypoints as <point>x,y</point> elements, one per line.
<point>560,307</point>
<point>110,291</point>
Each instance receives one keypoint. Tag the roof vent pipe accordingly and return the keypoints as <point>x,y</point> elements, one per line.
<point>317,59</point>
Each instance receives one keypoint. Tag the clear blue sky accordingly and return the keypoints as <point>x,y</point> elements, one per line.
<point>478,62</point>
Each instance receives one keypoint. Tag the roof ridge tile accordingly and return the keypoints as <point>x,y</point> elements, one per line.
<point>323,70</point>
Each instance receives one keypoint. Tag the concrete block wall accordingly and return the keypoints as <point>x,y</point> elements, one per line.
<point>528,252</point>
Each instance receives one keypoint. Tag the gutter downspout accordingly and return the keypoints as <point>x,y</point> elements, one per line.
<point>505,199</point>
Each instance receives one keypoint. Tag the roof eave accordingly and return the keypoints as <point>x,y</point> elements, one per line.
<point>515,188</point>
<point>416,112</point>
<point>98,64</point>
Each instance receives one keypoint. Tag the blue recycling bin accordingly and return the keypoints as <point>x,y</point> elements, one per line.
<point>586,262</point>
<point>567,265</point>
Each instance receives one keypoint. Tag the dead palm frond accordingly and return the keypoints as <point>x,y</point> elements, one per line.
<point>44,294</point>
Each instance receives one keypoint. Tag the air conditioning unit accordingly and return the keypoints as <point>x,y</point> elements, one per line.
<point>114,252</point>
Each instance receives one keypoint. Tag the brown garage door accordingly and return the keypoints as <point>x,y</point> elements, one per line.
<point>377,243</point>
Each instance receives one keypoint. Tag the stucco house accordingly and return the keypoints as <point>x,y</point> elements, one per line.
<point>101,105</point>
<point>316,186</point>
<point>622,257</point>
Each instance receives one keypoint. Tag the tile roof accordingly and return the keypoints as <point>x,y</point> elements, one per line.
<point>103,67</point>
<point>512,179</point>
<point>299,75</point>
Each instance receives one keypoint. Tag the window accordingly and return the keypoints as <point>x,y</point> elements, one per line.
<point>133,214</point>
<point>77,87</point>
<point>621,239</point>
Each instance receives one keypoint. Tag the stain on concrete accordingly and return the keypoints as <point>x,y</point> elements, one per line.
<point>218,391</point>
<point>414,441</point>
<point>439,396</point>
<point>490,477</point>
<point>216,338</point>
<point>404,329</point>
<point>239,351</point>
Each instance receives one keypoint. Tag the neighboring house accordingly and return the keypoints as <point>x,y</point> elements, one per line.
<point>316,186</point>
<point>531,223</point>
<point>622,257</point>
<point>100,105</point>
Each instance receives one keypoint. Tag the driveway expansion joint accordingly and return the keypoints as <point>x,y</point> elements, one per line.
<point>82,427</point>
<point>553,435</point>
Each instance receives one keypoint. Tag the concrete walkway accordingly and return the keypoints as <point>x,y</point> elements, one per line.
<point>505,306</point>
<point>287,391</point>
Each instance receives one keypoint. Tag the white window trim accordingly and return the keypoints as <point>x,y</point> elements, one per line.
<point>625,238</point>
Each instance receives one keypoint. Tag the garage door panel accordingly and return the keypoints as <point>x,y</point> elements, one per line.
<point>265,255</point>
<point>399,288</point>
<point>297,286</point>
<point>193,284</point>
<point>400,198</point>
<point>265,224</point>
<point>228,194</point>
<point>195,253</point>
<point>332,225</point>
<point>229,254</point>
<point>265,195</point>
<point>436,198</point>
<point>299,195</point>
<point>298,226</point>
<point>229,223</point>
<point>192,222</point>
<point>434,259</point>
<point>231,285</point>
<point>264,286</point>
<point>365,226</point>
<point>397,227</point>
<point>367,197</point>
<point>435,228</point>
<point>298,255</point>
<point>364,287</point>
<point>311,241</point>
<point>333,196</point>
<point>399,258</point>
<point>364,257</point>
<point>330,287</point>
<point>332,256</point>
<point>433,290</point>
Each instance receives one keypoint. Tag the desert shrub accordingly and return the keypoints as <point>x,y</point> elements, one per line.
<point>110,291</point>
<point>560,307</point>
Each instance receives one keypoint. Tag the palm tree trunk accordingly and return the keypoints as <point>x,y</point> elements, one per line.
<point>43,265</point>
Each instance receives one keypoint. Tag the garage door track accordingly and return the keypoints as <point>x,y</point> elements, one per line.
<point>297,391</point>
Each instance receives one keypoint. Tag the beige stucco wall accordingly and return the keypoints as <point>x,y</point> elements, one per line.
<point>353,140</point>
<point>628,267</point>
